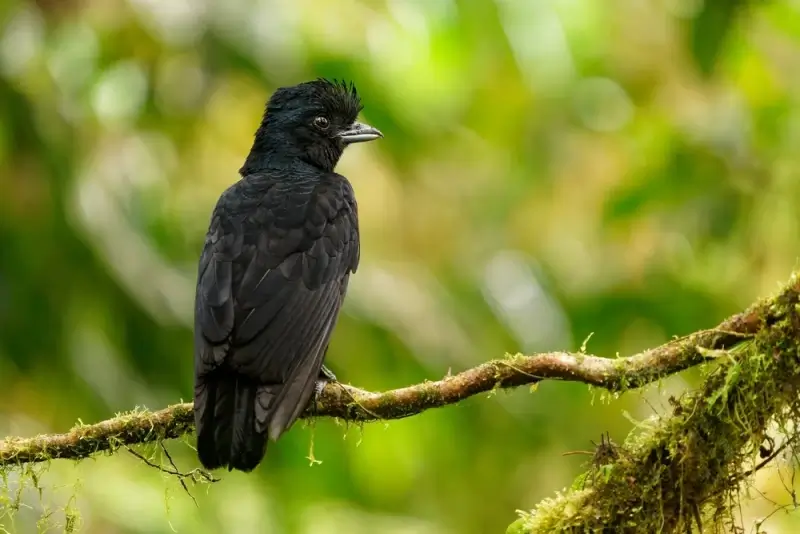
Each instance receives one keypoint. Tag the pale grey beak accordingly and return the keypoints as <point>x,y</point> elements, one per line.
<point>358,133</point>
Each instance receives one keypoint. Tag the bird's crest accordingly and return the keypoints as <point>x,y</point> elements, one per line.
<point>333,95</point>
<point>340,94</point>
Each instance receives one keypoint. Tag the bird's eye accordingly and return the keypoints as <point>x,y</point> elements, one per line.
<point>321,123</point>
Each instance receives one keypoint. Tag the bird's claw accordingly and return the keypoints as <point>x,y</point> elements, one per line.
<point>319,387</point>
<point>325,376</point>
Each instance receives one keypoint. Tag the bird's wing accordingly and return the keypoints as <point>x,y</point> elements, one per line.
<point>270,287</point>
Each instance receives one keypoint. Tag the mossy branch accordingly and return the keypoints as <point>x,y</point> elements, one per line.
<point>683,472</point>
<point>352,404</point>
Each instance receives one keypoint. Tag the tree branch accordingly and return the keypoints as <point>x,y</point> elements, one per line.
<point>353,404</point>
<point>677,471</point>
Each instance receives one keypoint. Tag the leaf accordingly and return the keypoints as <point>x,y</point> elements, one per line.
<point>709,31</point>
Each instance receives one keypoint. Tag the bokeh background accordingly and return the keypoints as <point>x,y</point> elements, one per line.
<point>550,169</point>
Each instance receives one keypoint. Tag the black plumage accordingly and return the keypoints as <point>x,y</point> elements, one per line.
<point>273,273</point>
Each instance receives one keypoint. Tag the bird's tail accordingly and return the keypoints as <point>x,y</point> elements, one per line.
<point>224,409</point>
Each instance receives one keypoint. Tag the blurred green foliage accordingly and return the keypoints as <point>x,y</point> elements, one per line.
<point>550,170</point>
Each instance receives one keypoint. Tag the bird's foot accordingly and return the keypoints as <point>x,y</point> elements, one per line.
<point>319,387</point>
<point>325,376</point>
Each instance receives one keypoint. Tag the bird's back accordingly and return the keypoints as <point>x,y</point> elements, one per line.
<point>272,277</point>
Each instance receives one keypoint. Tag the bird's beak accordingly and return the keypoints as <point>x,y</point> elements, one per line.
<point>359,133</point>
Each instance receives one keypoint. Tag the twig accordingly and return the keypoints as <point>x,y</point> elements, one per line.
<point>195,474</point>
<point>152,464</point>
<point>763,463</point>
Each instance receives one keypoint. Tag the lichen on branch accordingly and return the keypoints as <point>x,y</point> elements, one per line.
<point>682,472</point>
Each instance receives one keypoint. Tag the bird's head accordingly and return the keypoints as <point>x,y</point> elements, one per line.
<point>314,121</point>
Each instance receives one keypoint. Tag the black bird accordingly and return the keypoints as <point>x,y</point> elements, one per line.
<point>273,273</point>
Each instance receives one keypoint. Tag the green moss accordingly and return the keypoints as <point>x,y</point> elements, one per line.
<point>688,468</point>
<point>18,476</point>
